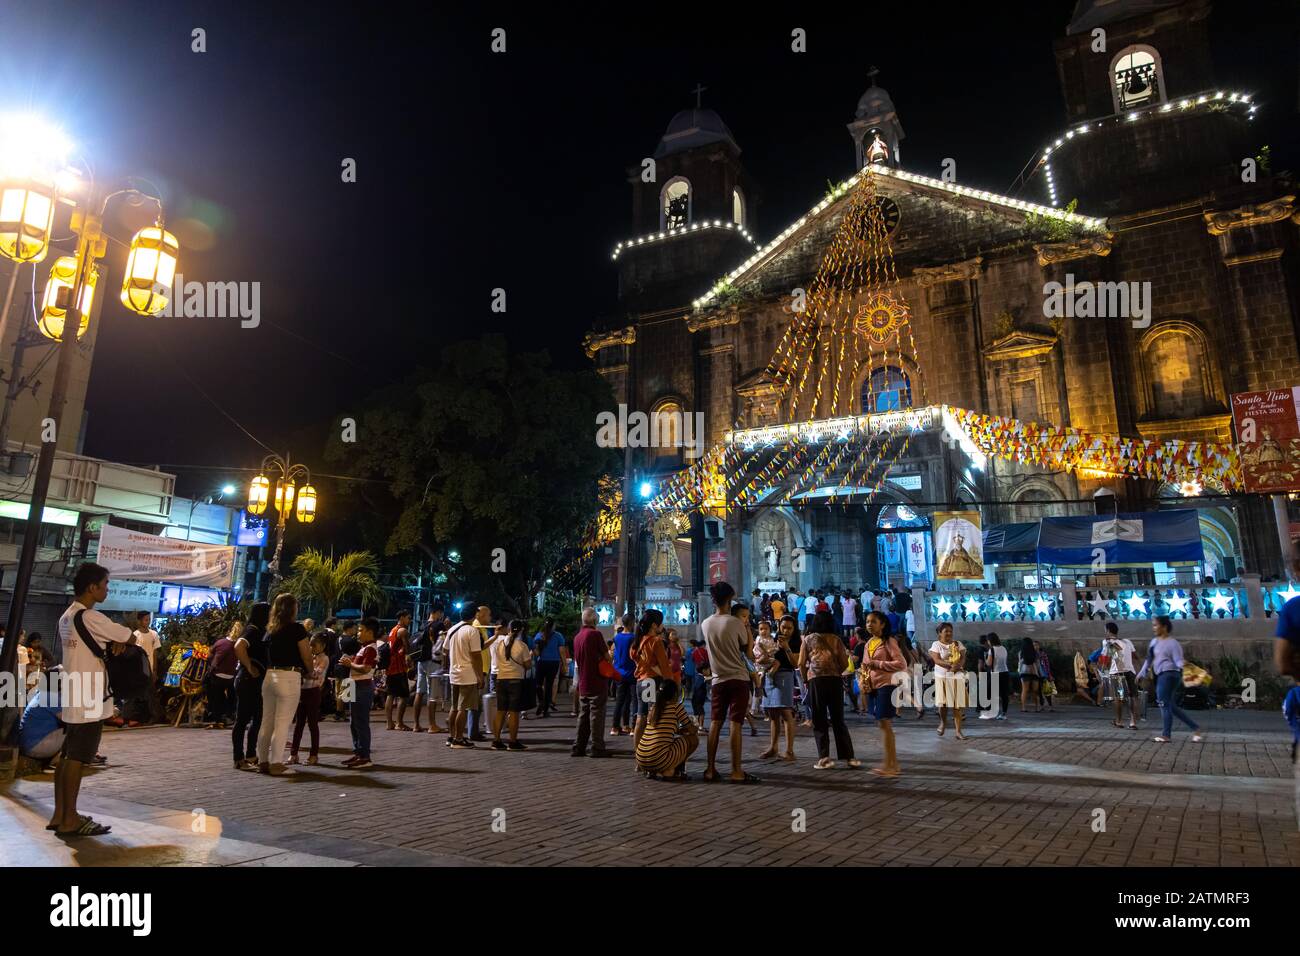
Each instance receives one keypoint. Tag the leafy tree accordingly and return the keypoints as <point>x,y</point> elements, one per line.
<point>331,581</point>
<point>490,456</point>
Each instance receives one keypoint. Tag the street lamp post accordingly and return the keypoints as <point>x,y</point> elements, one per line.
<point>287,473</point>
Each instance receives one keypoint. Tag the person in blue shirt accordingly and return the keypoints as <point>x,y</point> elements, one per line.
<point>1291,711</point>
<point>552,657</point>
<point>624,648</point>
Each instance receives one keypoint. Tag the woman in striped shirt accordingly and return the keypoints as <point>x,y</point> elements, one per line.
<point>669,737</point>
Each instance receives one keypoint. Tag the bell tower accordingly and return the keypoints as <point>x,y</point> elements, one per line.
<point>1146,120</point>
<point>693,213</point>
<point>875,129</point>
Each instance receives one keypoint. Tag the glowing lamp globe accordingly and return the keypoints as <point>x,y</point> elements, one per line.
<point>284,496</point>
<point>306,504</point>
<point>150,271</point>
<point>26,220</point>
<point>259,493</point>
<point>58,295</point>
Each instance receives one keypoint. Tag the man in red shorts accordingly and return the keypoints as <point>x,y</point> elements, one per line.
<point>728,644</point>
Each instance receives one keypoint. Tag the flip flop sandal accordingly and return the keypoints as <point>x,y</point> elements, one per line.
<point>705,778</point>
<point>88,828</point>
<point>747,778</point>
<point>1116,723</point>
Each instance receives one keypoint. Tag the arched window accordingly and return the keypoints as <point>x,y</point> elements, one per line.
<point>1136,78</point>
<point>1032,503</point>
<point>666,429</point>
<point>885,390</point>
<point>1176,366</point>
<point>737,207</point>
<point>675,206</point>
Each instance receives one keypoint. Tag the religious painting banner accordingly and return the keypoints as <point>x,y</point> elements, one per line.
<point>916,557</point>
<point>1268,439</point>
<point>137,556</point>
<point>958,545</point>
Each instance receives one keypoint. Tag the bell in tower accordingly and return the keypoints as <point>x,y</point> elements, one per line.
<point>875,129</point>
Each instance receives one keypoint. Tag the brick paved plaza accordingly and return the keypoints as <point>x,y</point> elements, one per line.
<point>1023,791</point>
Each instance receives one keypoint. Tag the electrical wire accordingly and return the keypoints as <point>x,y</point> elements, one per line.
<point>199,388</point>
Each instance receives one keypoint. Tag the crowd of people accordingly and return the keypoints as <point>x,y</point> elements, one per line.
<point>274,676</point>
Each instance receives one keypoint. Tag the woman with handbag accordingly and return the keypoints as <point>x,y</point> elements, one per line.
<point>288,657</point>
<point>1046,685</point>
<point>822,660</point>
<point>511,658</point>
<point>1165,661</point>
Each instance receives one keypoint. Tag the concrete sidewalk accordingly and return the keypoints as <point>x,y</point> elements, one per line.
<point>1028,790</point>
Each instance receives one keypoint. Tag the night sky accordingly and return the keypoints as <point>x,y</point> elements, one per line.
<point>478,170</point>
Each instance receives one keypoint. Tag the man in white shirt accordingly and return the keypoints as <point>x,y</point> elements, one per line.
<point>729,645</point>
<point>1122,674</point>
<point>808,610</point>
<point>150,643</point>
<point>83,689</point>
<point>465,668</point>
<point>865,599</point>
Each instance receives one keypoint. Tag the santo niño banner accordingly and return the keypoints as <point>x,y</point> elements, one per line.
<point>136,556</point>
<point>1268,439</point>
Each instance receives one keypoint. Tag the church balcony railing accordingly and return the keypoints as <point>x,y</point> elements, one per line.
<point>929,418</point>
<point>1212,602</point>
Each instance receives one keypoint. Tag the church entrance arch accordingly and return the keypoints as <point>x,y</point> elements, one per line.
<point>903,546</point>
<point>776,536</point>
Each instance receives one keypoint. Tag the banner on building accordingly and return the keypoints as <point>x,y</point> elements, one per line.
<point>916,557</point>
<point>137,556</point>
<point>132,596</point>
<point>1268,439</point>
<point>717,565</point>
<point>958,545</point>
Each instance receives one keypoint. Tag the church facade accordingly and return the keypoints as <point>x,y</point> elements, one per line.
<point>1171,286</point>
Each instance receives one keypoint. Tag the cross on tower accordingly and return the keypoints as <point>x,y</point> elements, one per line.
<point>871,75</point>
<point>697,91</point>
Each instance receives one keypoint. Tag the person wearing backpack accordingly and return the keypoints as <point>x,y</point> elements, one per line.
<point>429,652</point>
<point>85,635</point>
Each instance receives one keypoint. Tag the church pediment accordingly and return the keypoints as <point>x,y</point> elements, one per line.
<point>1020,344</point>
<point>759,383</point>
<point>930,222</point>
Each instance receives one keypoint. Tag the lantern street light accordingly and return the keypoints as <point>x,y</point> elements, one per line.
<point>287,474</point>
<point>27,157</point>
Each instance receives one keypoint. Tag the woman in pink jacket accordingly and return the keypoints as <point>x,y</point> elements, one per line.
<point>882,659</point>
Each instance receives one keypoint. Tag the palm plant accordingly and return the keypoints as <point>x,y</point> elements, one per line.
<point>331,581</point>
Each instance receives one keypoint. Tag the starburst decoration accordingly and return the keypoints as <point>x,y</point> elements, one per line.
<point>1137,604</point>
<point>972,605</point>
<point>1042,606</point>
<point>943,607</point>
<point>1220,601</point>
<point>1006,605</point>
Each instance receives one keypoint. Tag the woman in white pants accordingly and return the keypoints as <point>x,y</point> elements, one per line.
<point>288,649</point>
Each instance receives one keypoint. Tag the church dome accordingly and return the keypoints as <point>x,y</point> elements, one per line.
<point>692,128</point>
<point>874,103</point>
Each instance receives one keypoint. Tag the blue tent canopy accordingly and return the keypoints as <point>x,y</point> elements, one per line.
<point>1135,538</point>
<point>1011,543</point>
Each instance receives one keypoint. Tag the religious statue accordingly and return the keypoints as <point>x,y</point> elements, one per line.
<point>878,151</point>
<point>773,554</point>
<point>664,566</point>
<point>957,561</point>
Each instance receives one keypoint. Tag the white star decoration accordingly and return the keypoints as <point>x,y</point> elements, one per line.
<point>1006,605</point>
<point>1221,602</point>
<point>606,613</point>
<point>683,614</point>
<point>1178,605</point>
<point>1042,606</point>
<point>1288,594</point>
<point>1100,605</point>
<point>1136,604</point>
<point>972,605</point>
<point>943,606</point>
